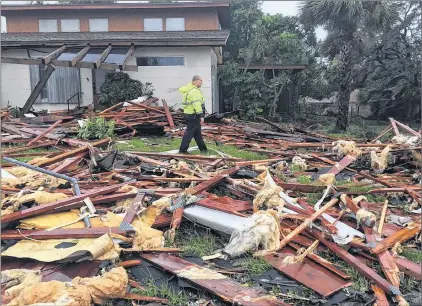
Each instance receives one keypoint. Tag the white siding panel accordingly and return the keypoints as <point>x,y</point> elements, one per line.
<point>15,85</point>
<point>98,25</point>
<point>70,25</point>
<point>48,25</point>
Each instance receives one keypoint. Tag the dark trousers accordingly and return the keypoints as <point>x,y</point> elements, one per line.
<point>193,130</point>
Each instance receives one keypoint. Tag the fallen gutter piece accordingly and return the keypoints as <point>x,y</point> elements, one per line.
<point>225,288</point>
<point>71,180</point>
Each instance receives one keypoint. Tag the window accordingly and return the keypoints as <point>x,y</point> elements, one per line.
<point>153,24</point>
<point>175,24</point>
<point>160,61</point>
<point>70,25</point>
<point>47,25</point>
<point>98,25</point>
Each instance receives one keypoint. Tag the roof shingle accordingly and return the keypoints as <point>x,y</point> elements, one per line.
<point>183,38</point>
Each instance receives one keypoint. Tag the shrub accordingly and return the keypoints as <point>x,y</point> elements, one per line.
<point>119,87</point>
<point>97,128</point>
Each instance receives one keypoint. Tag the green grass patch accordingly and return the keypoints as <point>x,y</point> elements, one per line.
<point>364,129</point>
<point>162,144</point>
<point>295,168</point>
<point>165,292</point>
<point>360,283</point>
<point>154,144</point>
<point>313,197</point>
<point>412,254</point>
<point>304,179</point>
<point>197,245</point>
<point>409,284</point>
<point>256,266</point>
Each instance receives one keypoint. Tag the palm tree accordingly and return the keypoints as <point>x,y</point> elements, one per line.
<point>346,22</point>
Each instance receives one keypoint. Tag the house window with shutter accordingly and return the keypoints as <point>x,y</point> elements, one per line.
<point>47,25</point>
<point>98,25</point>
<point>70,25</point>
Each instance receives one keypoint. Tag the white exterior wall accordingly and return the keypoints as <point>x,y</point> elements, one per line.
<point>15,81</point>
<point>167,79</point>
<point>16,85</point>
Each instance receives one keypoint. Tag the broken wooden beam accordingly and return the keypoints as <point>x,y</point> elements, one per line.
<point>398,237</point>
<point>72,153</point>
<point>52,127</point>
<point>306,223</point>
<point>37,90</point>
<point>381,298</point>
<point>168,114</point>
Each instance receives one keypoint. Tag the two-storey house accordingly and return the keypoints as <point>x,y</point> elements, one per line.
<point>161,43</point>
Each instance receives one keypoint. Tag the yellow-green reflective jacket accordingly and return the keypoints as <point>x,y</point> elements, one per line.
<point>192,99</point>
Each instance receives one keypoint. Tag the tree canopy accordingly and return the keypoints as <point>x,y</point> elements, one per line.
<point>371,46</point>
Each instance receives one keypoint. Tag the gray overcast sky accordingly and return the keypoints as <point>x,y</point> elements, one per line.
<point>289,8</point>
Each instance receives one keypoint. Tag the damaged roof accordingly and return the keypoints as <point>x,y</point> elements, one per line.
<point>158,39</point>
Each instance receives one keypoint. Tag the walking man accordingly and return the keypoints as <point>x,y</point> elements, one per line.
<point>194,111</point>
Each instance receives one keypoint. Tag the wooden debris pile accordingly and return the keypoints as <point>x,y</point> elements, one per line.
<point>307,205</point>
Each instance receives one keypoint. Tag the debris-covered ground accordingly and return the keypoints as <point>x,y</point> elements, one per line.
<point>272,215</point>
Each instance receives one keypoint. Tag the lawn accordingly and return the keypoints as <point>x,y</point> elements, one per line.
<point>162,144</point>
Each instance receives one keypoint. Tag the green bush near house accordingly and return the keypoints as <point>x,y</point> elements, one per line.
<point>97,128</point>
<point>119,87</point>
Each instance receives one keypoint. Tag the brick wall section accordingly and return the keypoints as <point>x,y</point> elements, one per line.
<point>121,20</point>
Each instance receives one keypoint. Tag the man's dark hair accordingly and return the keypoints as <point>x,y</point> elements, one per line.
<point>196,78</point>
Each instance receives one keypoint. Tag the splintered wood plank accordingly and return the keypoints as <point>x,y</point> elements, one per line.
<point>308,273</point>
<point>168,114</point>
<point>380,295</point>
<point>52,127</point>
<point>225,288</point>
<point>72,153</point>
<point>398,237</point>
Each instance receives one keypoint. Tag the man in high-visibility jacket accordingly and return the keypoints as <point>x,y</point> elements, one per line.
<point>194,111</point>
